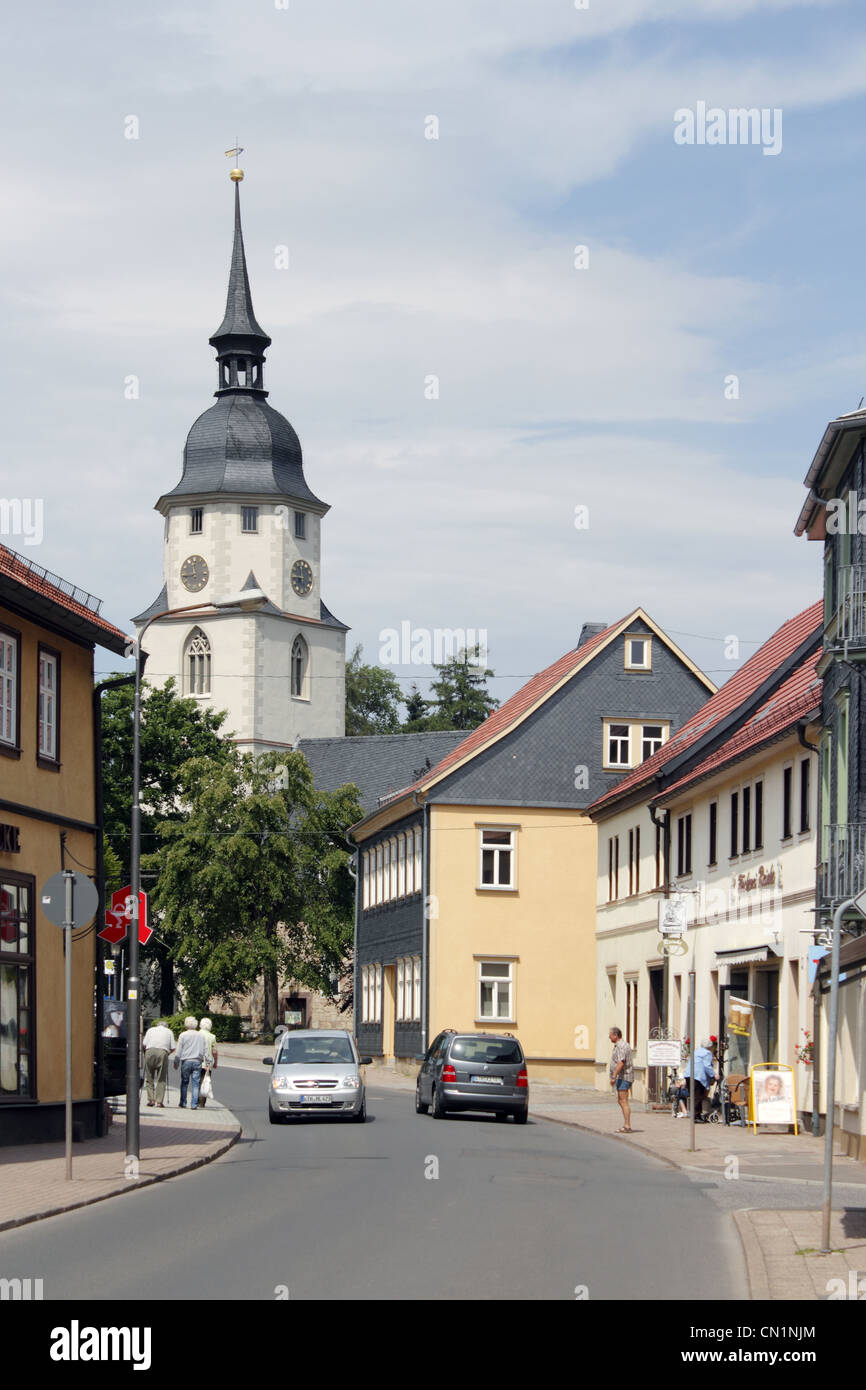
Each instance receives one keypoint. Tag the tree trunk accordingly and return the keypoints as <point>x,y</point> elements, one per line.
<point>271,1001</point>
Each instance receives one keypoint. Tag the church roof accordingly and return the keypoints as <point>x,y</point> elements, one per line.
<point>241,446</point>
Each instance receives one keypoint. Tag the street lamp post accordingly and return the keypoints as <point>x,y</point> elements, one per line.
<point>833,1030</point>
<point>246,601</point>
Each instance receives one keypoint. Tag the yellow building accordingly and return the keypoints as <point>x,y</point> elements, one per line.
<point>48,798</point>
<point>476,898</point>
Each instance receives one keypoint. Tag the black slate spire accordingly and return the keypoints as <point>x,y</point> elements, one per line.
<point>240,340</point>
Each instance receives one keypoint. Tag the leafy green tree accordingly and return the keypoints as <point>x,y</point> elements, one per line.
<point>254,881</point>
<point>173,730</point>
<point>372,698</point>
<point>462,698</point>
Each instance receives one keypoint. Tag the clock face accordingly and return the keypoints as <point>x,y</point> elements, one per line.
<point>194,573</point>
<point>302,578</point>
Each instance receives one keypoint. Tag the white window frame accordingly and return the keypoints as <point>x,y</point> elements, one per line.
<point>392,879</point>
<point>377,1000</point>
<point>631,1008</point>
<point>496,981</point>
<point>49,705</point>
<point>380,863</point>
<point>609,735</point>
<point>9,689</point>
<point>634,740</point>
<point>647,663</point>
<point>401,865</point>
<point>198,664</point>
<point>366,858</point>
<point>416,989</point>
<point>497,851</point>
<point>419,873</point>
<point>401,989</point>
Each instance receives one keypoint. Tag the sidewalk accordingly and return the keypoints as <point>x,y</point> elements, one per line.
<point>33,1176</point>
<point>781,1247</point>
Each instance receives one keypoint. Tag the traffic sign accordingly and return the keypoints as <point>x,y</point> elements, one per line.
<point>119,915</point>
<point>85,900</point>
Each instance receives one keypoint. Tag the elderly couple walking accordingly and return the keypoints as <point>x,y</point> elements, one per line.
<point>195,1054</point>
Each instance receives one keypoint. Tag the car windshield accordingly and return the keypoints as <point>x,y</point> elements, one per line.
<point>487,1050</point>
<point>315,1050</point>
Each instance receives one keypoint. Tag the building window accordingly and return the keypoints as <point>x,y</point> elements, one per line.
<point>401,990</point>
<point>249,519</point>
<point>371,993</point>
<point>842,701</point>
<point>17,1022</point>
<point>787,817</point>
<point>613,868</point>
<point>735,823</point>
<point>494,990</point>
<point>416,989</point>
<point>377,996</point>
<point>195,520</point>
<point>618,745</point>
<point>652,738</point>
<point>380,864</point>
<point>392,877</point>
<point>684,844</point>
<point>714,833</point>
<point>634,860</point>
<point>367,878</point>
<point>48,712</point>
<point>638,653</point>
<point>759,816</point>
<point>497,859</point>
<point>9,648</point>
<point>418,885</point>
<point>300,526</point>
<point>401,866</point>
<point>386,872</point>
<point>197,663</point>
<point>805,780</point>
<point>747,818</point>
<point>300,669</point>
<point>631,1012</point>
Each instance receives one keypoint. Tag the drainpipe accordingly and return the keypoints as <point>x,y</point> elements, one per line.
<point>355,872</point>
<point>425,919</point>
<point>99,1074</point>
<point>816,996</point>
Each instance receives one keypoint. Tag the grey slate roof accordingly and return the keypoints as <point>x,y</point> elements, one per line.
<point>328,618</point>
<point>377,765</point>
<point>241,445</point>
<point>239,320</point>
<point>159,605</point>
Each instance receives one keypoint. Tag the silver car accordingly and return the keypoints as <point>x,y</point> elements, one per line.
<point>317,1072</point>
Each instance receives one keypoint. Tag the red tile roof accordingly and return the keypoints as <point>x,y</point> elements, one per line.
<point>18,570</point>
<point>510,714</point>
<point>798,696</point>
<point>733,693</point>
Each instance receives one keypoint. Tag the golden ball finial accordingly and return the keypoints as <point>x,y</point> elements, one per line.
<point>236,175</point>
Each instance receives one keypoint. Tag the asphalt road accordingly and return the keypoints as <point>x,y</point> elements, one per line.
<point>320,1209</point>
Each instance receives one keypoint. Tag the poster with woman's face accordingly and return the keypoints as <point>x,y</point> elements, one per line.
<point>774,1097</point>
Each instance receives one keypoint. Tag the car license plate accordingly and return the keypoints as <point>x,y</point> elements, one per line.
<point>316,1100</point>
<point>489,1080</point>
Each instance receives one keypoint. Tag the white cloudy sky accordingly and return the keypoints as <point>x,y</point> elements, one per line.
<point>559,387</point>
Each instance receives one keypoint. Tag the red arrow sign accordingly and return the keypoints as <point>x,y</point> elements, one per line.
<point>119,915</point>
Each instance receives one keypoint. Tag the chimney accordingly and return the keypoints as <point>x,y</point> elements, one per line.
<point>589,630</point>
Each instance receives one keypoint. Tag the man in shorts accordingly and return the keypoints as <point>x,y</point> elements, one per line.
<point>622,1076</point>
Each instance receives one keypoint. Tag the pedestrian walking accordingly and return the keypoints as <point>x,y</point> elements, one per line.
<point>157,1046</point>
<point>189,1055</point>
<point>622,1076</point>
<point>210,1061</point>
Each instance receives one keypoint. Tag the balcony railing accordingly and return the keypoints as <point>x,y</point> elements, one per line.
<point>849,618</point>
<point>843,872</point>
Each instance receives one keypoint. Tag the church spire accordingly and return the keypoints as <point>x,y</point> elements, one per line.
<point>240,341</point>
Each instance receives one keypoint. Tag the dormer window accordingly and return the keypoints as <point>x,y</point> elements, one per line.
<point>638,653</point>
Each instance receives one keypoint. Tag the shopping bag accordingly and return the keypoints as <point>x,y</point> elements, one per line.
<point>206,1088</point>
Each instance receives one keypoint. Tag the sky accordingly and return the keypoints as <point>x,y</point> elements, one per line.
<point>665,387</point>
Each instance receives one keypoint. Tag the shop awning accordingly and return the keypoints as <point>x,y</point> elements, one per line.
<point>744,956</point>
<point>852,965</point>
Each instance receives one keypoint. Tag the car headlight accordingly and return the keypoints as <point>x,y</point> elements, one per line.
<point>280,1083</point>
<point>351,1082</point>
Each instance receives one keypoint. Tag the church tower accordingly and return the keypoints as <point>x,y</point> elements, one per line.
<point>243,517</point>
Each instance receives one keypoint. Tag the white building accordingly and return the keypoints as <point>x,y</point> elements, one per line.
<point>724,816</point>
<point>243,517</point>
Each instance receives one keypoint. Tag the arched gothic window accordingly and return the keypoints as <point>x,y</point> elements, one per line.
<point>196,663</point>
<point>300,667</point>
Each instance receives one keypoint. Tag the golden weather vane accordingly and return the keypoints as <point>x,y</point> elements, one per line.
<point>235,174</point>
